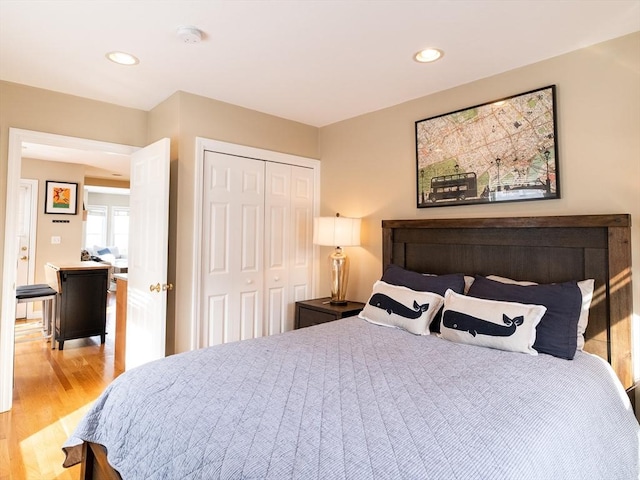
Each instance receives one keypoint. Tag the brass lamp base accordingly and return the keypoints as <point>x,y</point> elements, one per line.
<point>338,302</point>
<point>339,275</point>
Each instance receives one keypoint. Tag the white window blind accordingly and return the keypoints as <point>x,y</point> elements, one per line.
<point>96,227</point>
<point>120,228</point>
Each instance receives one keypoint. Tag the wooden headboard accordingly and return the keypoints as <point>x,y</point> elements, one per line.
<point>540,249</point>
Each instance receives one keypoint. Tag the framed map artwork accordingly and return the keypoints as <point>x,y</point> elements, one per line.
<point>501,151</point>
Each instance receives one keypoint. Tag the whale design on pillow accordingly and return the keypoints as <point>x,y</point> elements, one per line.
<point>390,305</point>
<point>477,326</point>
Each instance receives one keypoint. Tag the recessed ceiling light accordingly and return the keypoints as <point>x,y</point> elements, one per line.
<point>122,58</point>
<point>428,55</point>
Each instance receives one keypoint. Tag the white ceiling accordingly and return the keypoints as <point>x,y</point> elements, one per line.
<point>316,62</point>
<point>113,166</point>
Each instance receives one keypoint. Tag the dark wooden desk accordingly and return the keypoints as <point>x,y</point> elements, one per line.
<point>81,306</point>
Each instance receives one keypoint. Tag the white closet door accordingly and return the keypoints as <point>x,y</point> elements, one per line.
<point>277,245</point>
<point>232,283</point>
<point>288,243</point>
<point>301,240</point>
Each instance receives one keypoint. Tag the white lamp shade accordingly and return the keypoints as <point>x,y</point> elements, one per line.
<point>336,231</point>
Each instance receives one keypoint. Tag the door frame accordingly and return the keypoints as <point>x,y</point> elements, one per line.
<point>7,308</point>
<point>218,146</point>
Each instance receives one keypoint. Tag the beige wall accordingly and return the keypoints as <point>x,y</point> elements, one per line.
<point>164,122</point>
<point>70,233</point>
<point>40,110</point>
<point>183,117</point>
<point>369,164</point>
<point>106,182</point>
<point>107,199</point>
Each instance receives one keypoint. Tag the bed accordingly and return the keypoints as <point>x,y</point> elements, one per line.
<point>354,399</point>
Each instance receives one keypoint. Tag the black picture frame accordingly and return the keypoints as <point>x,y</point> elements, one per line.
<point>61,198</point>
<point>500,151</point>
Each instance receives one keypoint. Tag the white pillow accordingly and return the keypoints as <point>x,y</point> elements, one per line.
<point>468,281</point>
<point>401,307</point>
<point>487,323</point>
<point>586,289</point>
<point>108,258</point>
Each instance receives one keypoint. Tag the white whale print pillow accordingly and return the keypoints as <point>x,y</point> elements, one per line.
<point>401,307</point>
<point>487,323</point>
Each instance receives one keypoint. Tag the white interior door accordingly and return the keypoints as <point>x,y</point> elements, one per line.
<point>288,243</point>
<point>26,231</point>
<point>232,249</point>
<point>301,238</point>
<point>147,258</point>
<point>276,246</point>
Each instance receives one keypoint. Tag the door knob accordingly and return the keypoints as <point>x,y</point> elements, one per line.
<point>157,287</point>
<point>24,257</point>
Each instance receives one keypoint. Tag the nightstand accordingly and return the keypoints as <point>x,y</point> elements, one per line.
<point>319,310</point>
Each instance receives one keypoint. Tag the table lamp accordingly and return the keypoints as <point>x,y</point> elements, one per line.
<point>337,232</point>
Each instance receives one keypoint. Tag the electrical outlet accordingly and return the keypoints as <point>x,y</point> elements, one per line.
<point>55,240</point>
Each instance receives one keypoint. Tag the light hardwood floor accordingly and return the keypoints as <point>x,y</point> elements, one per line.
<point>52,391</point>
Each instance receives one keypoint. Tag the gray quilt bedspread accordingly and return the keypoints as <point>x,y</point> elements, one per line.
<point>348,399</point>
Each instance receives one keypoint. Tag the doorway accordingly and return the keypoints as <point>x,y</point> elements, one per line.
<point>17,138</point>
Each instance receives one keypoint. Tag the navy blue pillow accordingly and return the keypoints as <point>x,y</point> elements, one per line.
<point>556,334</point>
<point>396,275</point>
<point>439,284</point>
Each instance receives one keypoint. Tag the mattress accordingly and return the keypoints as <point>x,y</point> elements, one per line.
<point>352,400</point>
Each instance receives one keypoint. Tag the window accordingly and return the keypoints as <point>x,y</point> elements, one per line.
<point>96,227</point>
<point>120,228</point>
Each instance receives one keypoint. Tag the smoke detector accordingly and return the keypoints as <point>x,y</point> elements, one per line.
<point>189,34</point>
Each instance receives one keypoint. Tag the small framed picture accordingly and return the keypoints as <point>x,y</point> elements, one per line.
<point>61,198</point>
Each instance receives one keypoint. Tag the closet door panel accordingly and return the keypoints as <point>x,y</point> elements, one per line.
<point>300,256</point>
<point>277,245</point>
<point>250,238</point>
<point>232,248</point>
<point>216,240</point>
<point>277,226</point>
<point>214,322</point>
<point>251,316</point>
<point>276,314</point>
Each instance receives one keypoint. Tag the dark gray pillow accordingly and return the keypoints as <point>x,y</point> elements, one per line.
<point>396,275</point>
<point>556,332</point>
<point>439,284</point>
